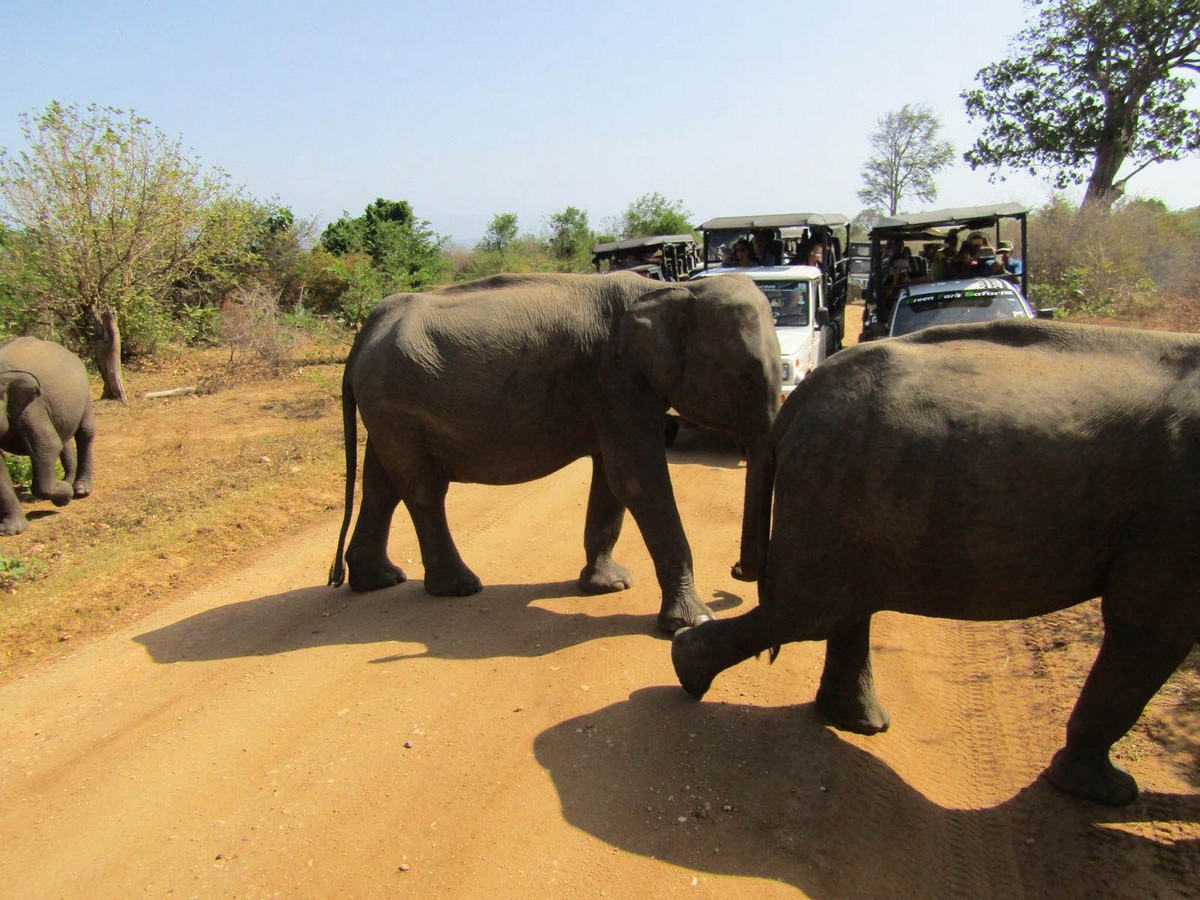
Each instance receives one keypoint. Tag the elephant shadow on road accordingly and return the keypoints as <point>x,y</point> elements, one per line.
<point>772,793</point>
<point>502,620</point>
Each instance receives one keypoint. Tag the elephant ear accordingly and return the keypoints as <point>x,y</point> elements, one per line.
<point>652,335</point>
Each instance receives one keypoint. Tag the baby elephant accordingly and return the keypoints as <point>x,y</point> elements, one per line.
<point>985,472</point>
<point>45,414</point>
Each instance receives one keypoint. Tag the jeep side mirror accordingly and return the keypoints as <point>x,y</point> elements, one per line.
<point>1046,313</point>
<point>822,316</point>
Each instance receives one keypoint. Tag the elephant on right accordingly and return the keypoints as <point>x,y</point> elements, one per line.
<point>985,472</point>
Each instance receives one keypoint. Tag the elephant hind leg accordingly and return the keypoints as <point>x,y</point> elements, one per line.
<point>446,575</point>
<point>69,463</point>
<point>847,693</point>
<point>366,556</point>
<point>601,573</point>
<point>12,518</point>
<point>1133,663</point>
<point>700,653</point>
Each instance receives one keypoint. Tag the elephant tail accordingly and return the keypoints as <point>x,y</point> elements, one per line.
<point>337,572</point>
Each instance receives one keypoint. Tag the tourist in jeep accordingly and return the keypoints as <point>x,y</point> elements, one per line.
<point>742,254</point>
<point>762,248</point>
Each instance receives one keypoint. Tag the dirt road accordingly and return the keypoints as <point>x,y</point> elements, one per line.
<point>265,735</point>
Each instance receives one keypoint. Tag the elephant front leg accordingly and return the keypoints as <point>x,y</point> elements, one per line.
<point>700,654</point>
<point>605,515</point>
<point>1133,663</point>
<point>847,693</point>
<point>643,483</point>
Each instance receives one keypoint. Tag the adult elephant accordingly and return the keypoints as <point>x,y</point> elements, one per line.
<point>985,472</point>
<point>508,379</point>
<point>45,414</point>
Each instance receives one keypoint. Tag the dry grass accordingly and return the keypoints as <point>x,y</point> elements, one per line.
<point>182,484</point>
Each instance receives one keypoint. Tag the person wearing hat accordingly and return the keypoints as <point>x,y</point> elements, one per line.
<point>1009,266</point>
<point>985,260</point>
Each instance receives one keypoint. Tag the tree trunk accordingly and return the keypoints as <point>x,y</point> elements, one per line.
<point>106,350</point>
<point>1119,131</point>
<point>1102,191</point>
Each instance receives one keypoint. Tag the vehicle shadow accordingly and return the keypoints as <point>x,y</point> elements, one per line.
<point>773,793</point>
<point>502,620</point>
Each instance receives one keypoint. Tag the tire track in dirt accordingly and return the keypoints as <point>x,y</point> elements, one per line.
<point>980,853</point>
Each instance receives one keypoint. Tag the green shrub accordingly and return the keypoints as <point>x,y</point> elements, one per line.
<point>20,470</point>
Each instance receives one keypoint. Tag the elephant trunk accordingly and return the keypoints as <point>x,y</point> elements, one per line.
<point>756,511</point>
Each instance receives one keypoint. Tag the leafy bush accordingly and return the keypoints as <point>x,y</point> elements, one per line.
<point>1115,264</point>
<point>20,470</point>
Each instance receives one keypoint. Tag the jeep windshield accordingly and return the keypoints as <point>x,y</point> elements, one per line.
<point>789,301</point>
<point>954,307</point>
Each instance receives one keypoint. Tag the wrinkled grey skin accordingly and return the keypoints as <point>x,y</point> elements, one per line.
<point>45,414</point>
<point>511,378</point>
<point>986,472</point>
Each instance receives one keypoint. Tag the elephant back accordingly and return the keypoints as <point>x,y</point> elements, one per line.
<point>61,375</point>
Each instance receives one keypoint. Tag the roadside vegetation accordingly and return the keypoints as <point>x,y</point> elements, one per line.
<point>116,242</point>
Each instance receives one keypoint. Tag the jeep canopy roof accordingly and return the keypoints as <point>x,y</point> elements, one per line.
<point>781,220</point>
<point>639,243</point>
<point>937,222</point>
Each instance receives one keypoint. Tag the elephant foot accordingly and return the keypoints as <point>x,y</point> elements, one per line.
<point>57,492</point>
<point>743,572</point>
<point>690,655</point>
<point>82,489</point>
<point>374,579</point>
<point>13,525</point>
<point>682,613</point>
<point>1093,777</point>
<point>861,715</point>
<point>605,577</point>
<point>461,583</point>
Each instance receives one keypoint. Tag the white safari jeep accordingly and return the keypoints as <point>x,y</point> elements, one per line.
<point>799,305</point>
<point>797,260</point>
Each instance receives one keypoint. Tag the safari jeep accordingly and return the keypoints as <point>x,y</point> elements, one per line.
<point>661,257</point>
<point>806,289</point>
<point>923,234</point>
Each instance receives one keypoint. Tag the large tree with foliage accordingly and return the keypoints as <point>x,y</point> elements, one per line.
<point>113,215</point>
<point>1091,90</point>
<point>569,235</point>
<point>501,232</point>
<point>404,250</point>
<point>906,155</point>
<point>653,214</point>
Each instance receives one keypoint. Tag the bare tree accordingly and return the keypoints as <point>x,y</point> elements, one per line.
<point>114,215</point>
<point>907,155</point>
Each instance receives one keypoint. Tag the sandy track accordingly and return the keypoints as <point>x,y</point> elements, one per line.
<point>269,736</point>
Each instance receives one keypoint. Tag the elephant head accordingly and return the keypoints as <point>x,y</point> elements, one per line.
<point>709,349</point>
<point>18,389</point>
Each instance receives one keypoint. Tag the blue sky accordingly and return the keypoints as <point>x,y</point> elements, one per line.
<point>468,108</point>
